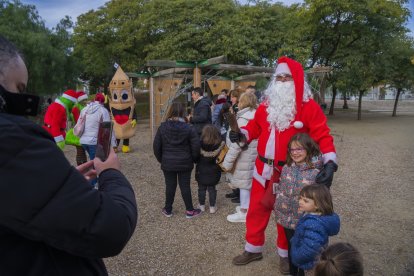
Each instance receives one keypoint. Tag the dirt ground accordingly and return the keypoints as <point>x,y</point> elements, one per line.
<point>373,193</point>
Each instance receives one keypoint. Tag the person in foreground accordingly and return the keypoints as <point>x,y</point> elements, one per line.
<point>287,109</point>
<point>314,228</point>
<point>340,259</point>
<point>52,222</point>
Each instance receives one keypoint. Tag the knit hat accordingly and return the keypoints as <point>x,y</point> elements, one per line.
<point>100,98</point>
<point>70,95</point>
<point>298,76</point>
<point>81,96</point>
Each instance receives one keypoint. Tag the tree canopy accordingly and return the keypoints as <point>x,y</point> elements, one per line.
<point>47,53</point>
<point>364,41</point>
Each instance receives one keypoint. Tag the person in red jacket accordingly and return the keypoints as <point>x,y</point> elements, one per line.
<point>288,109</point>
<point>57,115</point>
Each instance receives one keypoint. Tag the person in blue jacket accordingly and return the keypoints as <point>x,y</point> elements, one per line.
<point>314,228</point>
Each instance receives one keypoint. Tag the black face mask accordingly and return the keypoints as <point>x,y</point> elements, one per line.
<point>19,104</point>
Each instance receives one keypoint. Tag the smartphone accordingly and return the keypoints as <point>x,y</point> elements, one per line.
<point>103,145</point>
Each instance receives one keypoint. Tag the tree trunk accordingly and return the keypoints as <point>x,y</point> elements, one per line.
<point>331,108</point>
<point>345,106</point>
<point>394,111</point>
<point>361,92</point>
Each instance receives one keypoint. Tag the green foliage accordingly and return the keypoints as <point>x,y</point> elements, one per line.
<point>47,53</point>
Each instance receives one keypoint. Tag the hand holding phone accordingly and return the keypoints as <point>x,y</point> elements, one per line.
<point>87,170</point>
<point>112,162</point>
<point>104,140</point>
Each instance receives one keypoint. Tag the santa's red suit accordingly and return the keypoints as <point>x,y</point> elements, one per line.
<point>55,120</point>
<point>272,146</point>
<point>56,116</point>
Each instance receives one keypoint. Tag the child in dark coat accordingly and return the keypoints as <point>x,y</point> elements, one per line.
<point>208,173</point>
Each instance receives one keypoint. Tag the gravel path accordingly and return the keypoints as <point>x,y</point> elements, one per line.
<point>372,193</point>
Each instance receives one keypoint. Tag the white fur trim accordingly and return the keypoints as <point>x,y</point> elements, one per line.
<point>282,252</point>
<point>253,248</point>
<point>66,96</point>
<point>58,138</point>
<point>282,68</point>
<point>59,102</point>
<point>329,156</point>
<point>298,124</point>
<point>259,178</point>
<point>83,97</point>
<point>269,154</point>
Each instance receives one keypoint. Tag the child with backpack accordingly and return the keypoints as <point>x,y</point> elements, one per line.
<point>312,232</point>
<point>208,173</point>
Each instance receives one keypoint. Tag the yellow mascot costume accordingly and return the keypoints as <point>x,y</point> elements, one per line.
<point>122,108</point>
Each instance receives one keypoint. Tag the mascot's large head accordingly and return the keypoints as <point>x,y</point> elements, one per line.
<point>122,104</point>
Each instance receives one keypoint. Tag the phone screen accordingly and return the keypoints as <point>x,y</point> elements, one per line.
<point>103,145</point>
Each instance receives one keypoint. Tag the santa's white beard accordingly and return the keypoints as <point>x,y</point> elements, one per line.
<point>281,99</point>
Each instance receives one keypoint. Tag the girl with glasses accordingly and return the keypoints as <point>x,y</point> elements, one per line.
<point>303,164</point>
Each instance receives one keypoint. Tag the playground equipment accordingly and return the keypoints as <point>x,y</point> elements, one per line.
<point>171,80</point>
<point>166,85</point>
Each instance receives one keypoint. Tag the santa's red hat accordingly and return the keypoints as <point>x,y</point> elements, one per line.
<point>81,96</point>
<point>298,76</point>
<point>70,95</point>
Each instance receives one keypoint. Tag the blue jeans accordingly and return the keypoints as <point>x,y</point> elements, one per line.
<point>91,150</point>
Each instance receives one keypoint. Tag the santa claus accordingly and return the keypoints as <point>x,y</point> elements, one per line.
<point>287,110</point>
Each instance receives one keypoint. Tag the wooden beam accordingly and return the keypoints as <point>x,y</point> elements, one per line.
<point>169,71</point>
<point>254,76</point>
<point>161,63</point>
<point>212,61</point>
<point>244,68</point>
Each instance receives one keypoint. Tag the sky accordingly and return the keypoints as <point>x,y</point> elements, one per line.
<point>53,10</point>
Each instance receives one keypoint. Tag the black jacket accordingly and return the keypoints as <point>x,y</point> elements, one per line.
<point>176,146</point>
<point>201,114</point>
<point>208,173</point>
<point>52,221</point>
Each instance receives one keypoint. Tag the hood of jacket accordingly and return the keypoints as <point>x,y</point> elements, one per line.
<point>211,150</point>
<point>331,223</point>
<point>92,107</point>
<point>175,132</point>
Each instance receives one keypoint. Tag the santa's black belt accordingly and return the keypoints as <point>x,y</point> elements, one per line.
<point>270,162</point>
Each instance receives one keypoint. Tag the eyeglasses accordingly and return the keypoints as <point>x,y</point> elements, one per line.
<point>298,150</point>
<point>284,77</point>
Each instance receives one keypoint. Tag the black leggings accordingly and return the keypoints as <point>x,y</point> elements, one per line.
<point>184,179</point>
<point>212,194</point>
<point>294,270</point>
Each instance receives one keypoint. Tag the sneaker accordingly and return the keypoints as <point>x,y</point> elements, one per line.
<point>166,213</point>
<point>237,217</point>
<point>284,266</point>
<point>192,214</point>
<point>213,209</point>
<point>231,195</point>
<point>202,208</point>
<point>246,258</point>
<point>236,200</point>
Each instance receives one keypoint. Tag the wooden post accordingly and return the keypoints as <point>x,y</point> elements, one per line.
<point>197,77</point>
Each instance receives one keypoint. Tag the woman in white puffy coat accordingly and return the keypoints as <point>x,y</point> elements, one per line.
<point>242,159</point>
